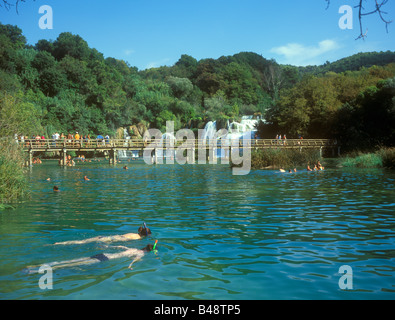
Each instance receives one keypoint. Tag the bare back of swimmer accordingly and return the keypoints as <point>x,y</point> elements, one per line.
<point>128,252</point>
<point>142,232</point>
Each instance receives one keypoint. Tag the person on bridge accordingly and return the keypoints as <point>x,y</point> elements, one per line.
<point>77,138</point>
<point>142,232</point>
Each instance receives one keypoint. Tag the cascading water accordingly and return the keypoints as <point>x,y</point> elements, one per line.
<point>167,142</point>
<point>235,131</point>
<point>127,154</point>
<point>209,130</point>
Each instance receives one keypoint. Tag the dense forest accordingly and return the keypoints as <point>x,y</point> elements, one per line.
<point>65,86</point>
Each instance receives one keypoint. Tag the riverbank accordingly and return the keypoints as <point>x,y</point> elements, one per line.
<point>382,158</point>
<point>13,185</point>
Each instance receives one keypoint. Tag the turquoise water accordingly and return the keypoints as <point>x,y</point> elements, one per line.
<point>266,235</point>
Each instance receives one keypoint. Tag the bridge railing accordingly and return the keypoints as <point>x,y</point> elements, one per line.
<point>102,144</point>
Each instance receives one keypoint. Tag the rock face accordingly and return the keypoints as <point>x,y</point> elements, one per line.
<point>119,133</point>
<point>134,131</point>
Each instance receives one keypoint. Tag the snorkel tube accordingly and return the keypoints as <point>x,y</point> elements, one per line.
<point>153,249</point>
<point>146,229</point>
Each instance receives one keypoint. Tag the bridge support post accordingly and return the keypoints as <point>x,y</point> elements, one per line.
<point>63,157</point>
<point>30,161</point>
<point>113,156</point>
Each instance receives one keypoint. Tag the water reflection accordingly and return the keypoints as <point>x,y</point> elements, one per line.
<point>286,235</point>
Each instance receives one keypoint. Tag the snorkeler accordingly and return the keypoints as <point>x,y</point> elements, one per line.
<point>142,232</point>
<point>128,252</point>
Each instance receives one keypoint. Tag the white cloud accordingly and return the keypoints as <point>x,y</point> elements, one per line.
<point>157,64</point>
<point>300,55</point>
<point>128,52</point>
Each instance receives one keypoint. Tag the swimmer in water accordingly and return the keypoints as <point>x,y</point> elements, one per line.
<point>86,178</point>
<point>142,232</point>
<point>101,257</point>
<point>56,189</point>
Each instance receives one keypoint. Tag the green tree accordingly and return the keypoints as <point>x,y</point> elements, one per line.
<point>72,45</point>
<point>368,121</point>
<point>15,35</point>
<point>180,87</point>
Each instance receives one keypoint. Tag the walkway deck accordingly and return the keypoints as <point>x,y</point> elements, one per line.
<point>111,146</point>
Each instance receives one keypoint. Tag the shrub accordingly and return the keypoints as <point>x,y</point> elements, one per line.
<point>13,184</point>
<point>283,158</point>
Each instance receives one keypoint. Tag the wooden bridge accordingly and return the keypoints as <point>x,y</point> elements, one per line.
<point>110,147</point>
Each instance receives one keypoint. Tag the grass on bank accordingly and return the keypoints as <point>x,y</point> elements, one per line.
<point>13,184</point>
<point>383,158</point>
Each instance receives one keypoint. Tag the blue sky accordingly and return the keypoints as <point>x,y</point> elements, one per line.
<point>152,33</point>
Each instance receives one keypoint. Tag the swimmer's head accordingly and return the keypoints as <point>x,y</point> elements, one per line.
<point>148,248</point>
<point>143,232</point>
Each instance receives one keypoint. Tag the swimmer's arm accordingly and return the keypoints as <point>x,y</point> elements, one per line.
<point>134,260</point>
<point>82,241</point>
<point>74,242</point>
<point>119,247</point>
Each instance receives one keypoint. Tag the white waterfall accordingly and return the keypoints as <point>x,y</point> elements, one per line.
<point>236,130</point>
<point>245,129</point>
<point>209,130</point>
<point>167,142</point>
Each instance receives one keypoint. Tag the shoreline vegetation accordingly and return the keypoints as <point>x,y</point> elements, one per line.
<point>283,158</point>
<point>382,158</point>
<point>13,184</point>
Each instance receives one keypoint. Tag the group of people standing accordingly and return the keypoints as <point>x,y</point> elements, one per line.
<point>279,138</point>
<point>71,139</point>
